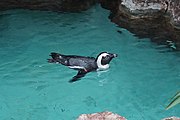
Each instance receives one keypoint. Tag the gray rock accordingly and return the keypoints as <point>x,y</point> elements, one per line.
<point>172,7</point>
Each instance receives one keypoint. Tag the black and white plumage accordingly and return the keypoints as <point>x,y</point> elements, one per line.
<point>83,64</point>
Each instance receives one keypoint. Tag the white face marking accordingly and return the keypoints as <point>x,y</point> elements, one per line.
<point>100,66</point>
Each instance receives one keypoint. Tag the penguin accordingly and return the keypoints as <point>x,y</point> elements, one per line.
<point>83,64</point>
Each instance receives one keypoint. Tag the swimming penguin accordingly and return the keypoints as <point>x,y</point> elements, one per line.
<point>83,64</point>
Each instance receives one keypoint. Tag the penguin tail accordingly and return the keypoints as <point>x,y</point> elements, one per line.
<point>55,57</point>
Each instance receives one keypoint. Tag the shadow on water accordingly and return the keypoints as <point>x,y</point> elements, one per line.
<point>155,30</point>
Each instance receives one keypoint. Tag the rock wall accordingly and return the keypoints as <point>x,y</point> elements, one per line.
<point>155,19</point>
<point>53,5</point>
<point>146,7</point>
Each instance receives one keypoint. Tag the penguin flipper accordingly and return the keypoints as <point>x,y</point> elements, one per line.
<point>80,74</point>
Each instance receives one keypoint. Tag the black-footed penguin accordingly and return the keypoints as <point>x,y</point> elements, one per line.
<point>83,64</point>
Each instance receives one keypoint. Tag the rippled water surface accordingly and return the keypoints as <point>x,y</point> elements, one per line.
<point>137,86</point>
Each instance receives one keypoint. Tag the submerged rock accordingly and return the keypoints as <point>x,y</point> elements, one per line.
<point>101,116</point>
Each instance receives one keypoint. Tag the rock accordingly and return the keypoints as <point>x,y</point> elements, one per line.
<point>101,116</point>
<point>171,118</point>
<point>158,20</point>
<point>53,5</point>
<point>146,7</point>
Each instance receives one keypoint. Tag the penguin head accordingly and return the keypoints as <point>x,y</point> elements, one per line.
<point>103,60</point>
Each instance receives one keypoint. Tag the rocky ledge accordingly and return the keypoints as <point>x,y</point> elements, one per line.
<point>147,8</point>
<point>101,116</point>
<point>52,5</point>
<point>155,19</point>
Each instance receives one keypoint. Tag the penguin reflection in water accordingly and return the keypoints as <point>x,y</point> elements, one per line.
<point>83,64</point>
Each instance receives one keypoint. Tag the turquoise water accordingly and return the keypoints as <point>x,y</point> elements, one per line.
<point>137,86</point>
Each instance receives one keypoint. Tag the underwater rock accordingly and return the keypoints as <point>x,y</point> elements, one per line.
<point>52,5</point>
<point>101,116</point>
<point>171,118</point>
<point>158,20</point>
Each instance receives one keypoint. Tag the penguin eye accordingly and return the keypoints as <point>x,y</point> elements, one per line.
<point>105,60</point>
<point>106,57</point>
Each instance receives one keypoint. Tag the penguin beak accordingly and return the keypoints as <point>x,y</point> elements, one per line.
<point>113,55</point>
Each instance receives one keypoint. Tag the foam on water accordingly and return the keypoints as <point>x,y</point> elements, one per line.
<point>138,84</point>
